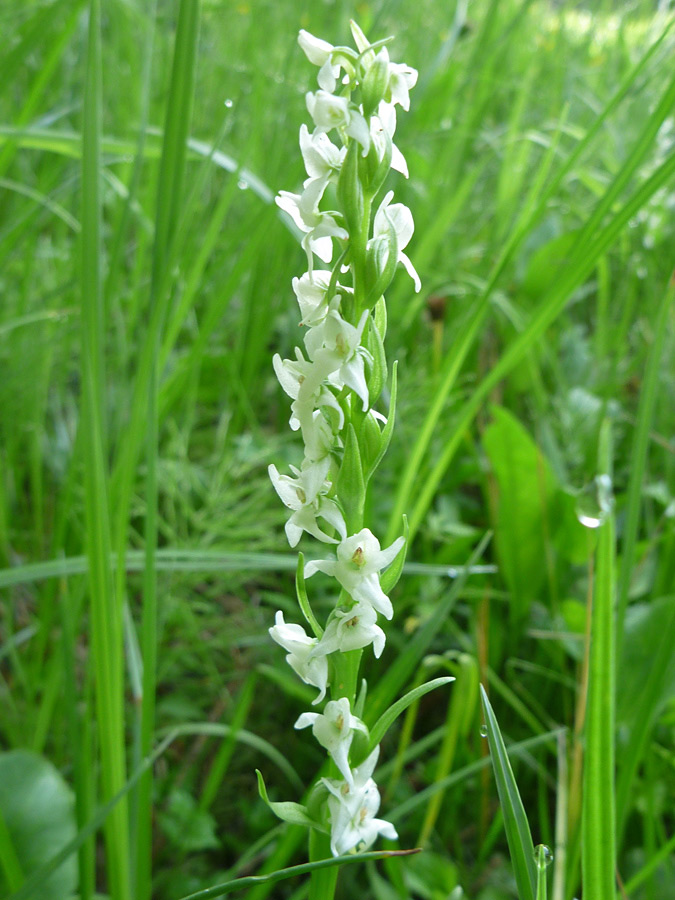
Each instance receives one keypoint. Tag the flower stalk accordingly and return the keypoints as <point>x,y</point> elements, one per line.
<point>334,384</point>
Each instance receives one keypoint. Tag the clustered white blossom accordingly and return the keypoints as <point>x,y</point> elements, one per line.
<point>328,383</point>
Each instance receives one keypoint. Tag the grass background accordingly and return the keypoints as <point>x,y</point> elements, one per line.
<point>146,285</point>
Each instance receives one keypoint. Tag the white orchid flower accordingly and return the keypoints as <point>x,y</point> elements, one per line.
<point>329,111</point>
<point>304,495</point>
<point>359,561</point>
<point>401,79</point>
<point>319,227</point>
<point>335,346</point>
<point>310,667</point>
<point>352,629</point>
<point>321,157</point>
<point>311,293</point>
<point>383,124</point>
<point>401,220</point>
<point>335,730</point>
<point>352,810</point>
<point>319,53</point>
<point>303,381</point>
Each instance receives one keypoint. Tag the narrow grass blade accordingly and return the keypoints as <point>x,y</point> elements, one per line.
<point>407,661</point>
<point>386,720</point>
<point>588,248</point>
<point>542,859</point>
<point>169,199</point>
<point>550,308</point>
<point>598,823</point>
<point>638,460</point>
<point>105,611</point>
<point>517,827</point>
<point>228,887</point>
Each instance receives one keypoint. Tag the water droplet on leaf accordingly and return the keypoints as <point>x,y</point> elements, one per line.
<point>543,856</point>
<point>229,103</point>
<point>483,730</point>
<point>595,502</point>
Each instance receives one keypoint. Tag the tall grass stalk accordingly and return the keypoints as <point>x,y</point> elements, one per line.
<point>598,808</point>
<point>169,199</point>
<point>105,608</point>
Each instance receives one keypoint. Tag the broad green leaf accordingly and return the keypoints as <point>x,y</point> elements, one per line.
<point>516,825</point>
<point>37,807</point>
<point>526,491</point>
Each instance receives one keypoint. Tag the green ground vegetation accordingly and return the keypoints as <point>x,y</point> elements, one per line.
<point>145,280</point>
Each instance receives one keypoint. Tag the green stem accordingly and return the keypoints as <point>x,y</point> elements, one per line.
<point>322,882</point>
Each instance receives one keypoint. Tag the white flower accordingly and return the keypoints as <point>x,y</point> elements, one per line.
<point>310,290</point>
<point>316,50</point>
<point>303,381</point>
<point>401,79</point>
<point>318,437</point>
<point>319,227</point>
<point>401,220</point>
<point>352,629</point>
<point>352,810</point>
<point>359,560</point>
<point>321,157</point>
<point>311,668</point>
<point>383,126</point>
<point>334,730</point>
<point>335,346</point>
<point>304,494</point>
<point>329,111</point>
<point>319,53</point>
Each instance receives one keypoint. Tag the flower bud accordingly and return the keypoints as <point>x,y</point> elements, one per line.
<point>350,190</point>
<point>375,85</point>
<point>381,260</point>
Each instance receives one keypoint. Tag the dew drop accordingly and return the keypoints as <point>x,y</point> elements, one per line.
<point>595,501</point>
<point>242,185</point>
<point>543,856</point>
<point>483,730</point>
<point>229,103</point>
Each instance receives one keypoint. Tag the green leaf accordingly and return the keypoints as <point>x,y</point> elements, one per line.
<point>350,485</point>
<point>380,728</point>
<point>303,599</point>
<point>389,579</point>
<point>388,429</point>
<point>598,811</point>
<point>526,490</point>
<point>287,811</point>
<point>516,825</point>
<point>380,317</point>
<point>37,808</point>
<point>186,826</point>
<point>378,371</point>
<point>228,887</point>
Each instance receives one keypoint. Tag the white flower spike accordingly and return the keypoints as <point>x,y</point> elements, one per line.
<point>331,391</point>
